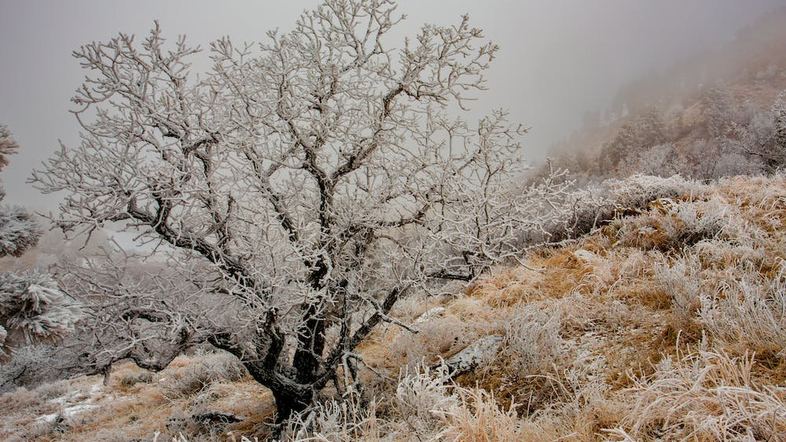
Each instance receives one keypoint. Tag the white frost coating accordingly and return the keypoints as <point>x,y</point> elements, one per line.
<point>300,187</point>
<point>430,314</point>
<point>585,255</point>
<point>18,231</point>
<point>476,354</point>
<point>74,402</point>
<point>33,309</point>
<point>68,412</point>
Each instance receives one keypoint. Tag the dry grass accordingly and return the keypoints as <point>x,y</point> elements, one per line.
<point>666,324</point>
<point>134,405</point>
<point>592,326</point>
<point>706,396</point>
<point>191,379</point>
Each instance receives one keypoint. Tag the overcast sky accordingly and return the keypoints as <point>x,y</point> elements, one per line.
<point>558,59</point>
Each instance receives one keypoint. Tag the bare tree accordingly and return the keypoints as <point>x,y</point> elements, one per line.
<point>642,132</point>
<point>301,186</point>
<point>762,138</point>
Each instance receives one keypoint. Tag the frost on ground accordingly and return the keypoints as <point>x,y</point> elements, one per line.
<point>664,322</point>
<point>72,403</point>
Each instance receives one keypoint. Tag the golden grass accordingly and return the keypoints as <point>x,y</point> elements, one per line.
<point>633,346</point>
<point>623,341</point>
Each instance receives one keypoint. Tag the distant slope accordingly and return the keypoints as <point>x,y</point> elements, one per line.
<point>720,105</point>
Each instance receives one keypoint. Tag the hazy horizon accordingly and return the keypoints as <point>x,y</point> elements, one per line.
<point>558,59</point>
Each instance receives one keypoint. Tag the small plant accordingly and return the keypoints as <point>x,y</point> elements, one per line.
<point>532,338</point>
<point>128,380</point>
<point>682,282</point>
<point>201,373</point>
<point>750,315</point>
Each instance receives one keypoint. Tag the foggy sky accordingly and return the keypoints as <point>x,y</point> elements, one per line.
<point>558,58</point>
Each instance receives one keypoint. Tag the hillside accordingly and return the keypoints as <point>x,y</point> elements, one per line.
<point>727,104</point>
<point>313,237</point>
<point>664,323</point>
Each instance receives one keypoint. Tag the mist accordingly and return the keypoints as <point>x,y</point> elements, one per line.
<point>320,220</point>
<point>559,60</point>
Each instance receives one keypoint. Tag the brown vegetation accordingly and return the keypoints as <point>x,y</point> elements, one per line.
<point>624,334</point>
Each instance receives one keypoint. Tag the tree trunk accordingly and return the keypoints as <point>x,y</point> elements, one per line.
<point>311,344</point>
<point>290,397</point>
<point>107,372</point>
<point>288,403</point>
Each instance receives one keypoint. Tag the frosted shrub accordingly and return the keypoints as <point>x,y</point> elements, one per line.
<point>639,190</point>
<point>480,418</point>
<point>751,315</point>
<point>674,226</point>
<point>201,373</point>
<point>423,396</point>
<point>660,160</point>
<point>532,338</point>
<point>128,380</point>
<point>732,163</point>
<point>720,252</point>
<point>440,336</point>
<point>29,366</point>
<point>578,212</point>
<point>701,220</point>
<point>33,309</point>
<point>18,230</point>
<point>427,406</point>
<point>21,399</point>
<point>335,421</point>
<point>682,282</point>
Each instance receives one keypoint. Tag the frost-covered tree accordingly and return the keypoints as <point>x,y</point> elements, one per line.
<point>661,160</point>
<point>720,111</point>
<point>779,116</point>
<point>763,137</point>
<point>18,231</point>
<point>639,134</point>
<point>300,187</point>
<point>7,146</point>
<point>32,308</point>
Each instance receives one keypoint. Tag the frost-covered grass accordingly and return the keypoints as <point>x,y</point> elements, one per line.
<point>663,323</point>
<point>133,405</point>
<point>705,396</point>
<point>200,374</point>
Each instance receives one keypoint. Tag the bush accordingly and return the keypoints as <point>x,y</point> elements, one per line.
<point>581,211</point>
<point>30,366</point>
<point>427,406</point>
<point>128,380</point>
<point>675,226</point>
<point>202,372</point>
<point>532,338</point>
<point>682,282</point>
